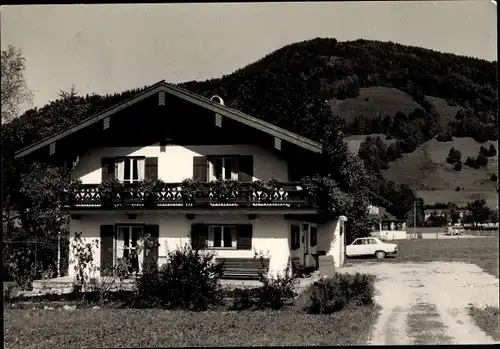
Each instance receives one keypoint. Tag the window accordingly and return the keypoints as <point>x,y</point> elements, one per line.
<point>358,242</point>
<point>314,236</point>
<point>126,245</point>
<point>295,237</point>
<point>223,167</point>
<point>372,241</point>
<point>222,236</point>
<point>130,170</point>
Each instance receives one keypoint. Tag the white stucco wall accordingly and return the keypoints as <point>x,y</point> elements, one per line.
<point>270,234</point>
<point>176,162</point>
<point>330,241</point>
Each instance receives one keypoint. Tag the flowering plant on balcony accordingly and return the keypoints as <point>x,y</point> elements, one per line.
<point>150,189</point>
<point>110,190</point>
<point>189,190</point>
<point>71,191</point>
<point>265,190</point>
<point>224,190</point>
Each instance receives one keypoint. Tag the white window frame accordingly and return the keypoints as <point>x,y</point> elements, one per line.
<point>119,244</point>
<point>120,169</point>
<point>234,235</point>
<point>234,175</point>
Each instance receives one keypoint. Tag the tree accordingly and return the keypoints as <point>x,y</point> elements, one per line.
<point>492,151</point>
<point>483,151</point>
<point>479,211</point>
<point>458,166</point>
<point>453,156</point>
<point>494,177</point>
<point>15,91</point>
<point>471,162</point>
<point>481,160</point>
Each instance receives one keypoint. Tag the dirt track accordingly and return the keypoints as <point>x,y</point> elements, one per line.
<point>426,303</point>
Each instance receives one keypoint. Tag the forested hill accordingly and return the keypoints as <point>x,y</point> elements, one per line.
<point>337,70</point>
<point>285,86</point>
<point>410,89</point>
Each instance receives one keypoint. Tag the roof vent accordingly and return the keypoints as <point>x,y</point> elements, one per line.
<point>220,100</point>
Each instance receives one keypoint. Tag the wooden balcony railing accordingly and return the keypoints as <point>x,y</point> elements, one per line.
<point>173,196</point>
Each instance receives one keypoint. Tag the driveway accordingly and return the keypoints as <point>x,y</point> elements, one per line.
<point>426,303</point>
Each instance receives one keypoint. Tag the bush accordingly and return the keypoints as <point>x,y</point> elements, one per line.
<point>278,289</point>
<point>493,177</point>
<point>274,294</point>
<point>457,188</point>
<point>189,281</point>
<point>458,166</point>
<point>331,295</point>
<point>244,298</point>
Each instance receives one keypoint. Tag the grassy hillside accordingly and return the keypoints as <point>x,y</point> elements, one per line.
<point>373,102</point>
<point>426,168</point>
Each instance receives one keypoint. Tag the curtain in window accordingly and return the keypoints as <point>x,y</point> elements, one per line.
<point>140,168</point>
<point>120,170</point>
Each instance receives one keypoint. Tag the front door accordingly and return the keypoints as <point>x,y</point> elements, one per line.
<point>296,245</point>
<point>127,238</point>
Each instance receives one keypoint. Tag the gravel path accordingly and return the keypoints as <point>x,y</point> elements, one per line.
<point>426,303</point>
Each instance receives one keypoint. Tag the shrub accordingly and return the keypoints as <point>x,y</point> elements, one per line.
<point>244,298</point>
<point>493,177</point>
<point>458,166</point>
<point>334,294</point>
<point>190,281</point>
<point>277,289</point>
<point>457,188</point>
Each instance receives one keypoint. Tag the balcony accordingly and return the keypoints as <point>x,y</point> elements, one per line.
<point>178,195</point>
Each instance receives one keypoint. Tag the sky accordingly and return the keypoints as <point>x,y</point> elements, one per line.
<point>110,48</point>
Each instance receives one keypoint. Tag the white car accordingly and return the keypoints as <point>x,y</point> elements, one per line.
<point>370,247</point>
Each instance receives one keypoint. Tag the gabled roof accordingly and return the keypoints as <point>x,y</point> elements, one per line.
<point>187,96</point>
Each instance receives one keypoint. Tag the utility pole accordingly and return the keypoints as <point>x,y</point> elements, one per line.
<point>415,218</point>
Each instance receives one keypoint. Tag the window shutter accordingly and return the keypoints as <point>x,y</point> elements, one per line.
<point>108,168</point>
<point>107,237</point>
<point>151,168</point>
<point>244,240</point>
<point>245,168</point>
<point>200,168</point>
<point>151,255</point>
<point>199,236</point>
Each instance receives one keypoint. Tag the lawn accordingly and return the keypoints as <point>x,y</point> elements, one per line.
<point>483,252</point>
<point>160,328</point>
<point>487,319</point>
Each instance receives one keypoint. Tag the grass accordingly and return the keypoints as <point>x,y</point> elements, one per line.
<point>488,320</point>
<point>425,326</point>
<point>160,328</point>
<point>374,101</point>
<point>484,252</point>
<point>426,170</point>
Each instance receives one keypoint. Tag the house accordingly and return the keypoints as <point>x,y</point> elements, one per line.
<point>391,229</point>
<point>187,141</point>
